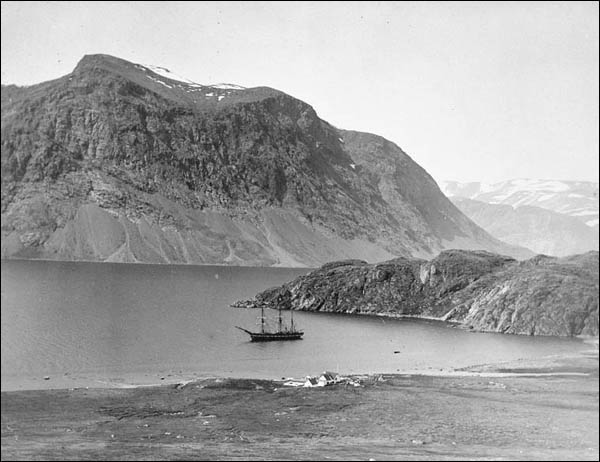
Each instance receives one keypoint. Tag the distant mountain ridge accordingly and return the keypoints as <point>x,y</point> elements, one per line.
<point>541,230</point>
<point>547,216</point>
<point>122,162</point>
<point>578,199</point>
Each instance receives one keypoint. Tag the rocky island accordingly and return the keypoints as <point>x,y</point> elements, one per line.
<point>480,290</point>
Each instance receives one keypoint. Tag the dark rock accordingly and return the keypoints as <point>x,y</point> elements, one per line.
<point>116,163</point>
<point>480,290</point>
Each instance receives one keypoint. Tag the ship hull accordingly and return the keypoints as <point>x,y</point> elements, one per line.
<point>258,337</point>
<point>272,336</point>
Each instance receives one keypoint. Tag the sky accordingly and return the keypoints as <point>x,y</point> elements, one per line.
<point>472,91</point>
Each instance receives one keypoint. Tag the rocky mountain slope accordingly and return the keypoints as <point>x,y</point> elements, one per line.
<point>122,162</point>
<point>481,290</point>
<point>578,199</point>
<point>538,229</point>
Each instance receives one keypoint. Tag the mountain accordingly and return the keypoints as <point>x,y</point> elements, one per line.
<point>480,290</point>
<point>123,162</point>
<point>578,199</point>
<point>538,229</point>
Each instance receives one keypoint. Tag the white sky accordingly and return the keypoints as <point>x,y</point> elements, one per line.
<point>471,91</point>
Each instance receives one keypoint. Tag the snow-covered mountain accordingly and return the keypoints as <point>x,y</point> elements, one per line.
<point>578,199</point>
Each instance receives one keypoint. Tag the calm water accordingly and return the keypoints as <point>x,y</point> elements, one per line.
<point>133,323</point>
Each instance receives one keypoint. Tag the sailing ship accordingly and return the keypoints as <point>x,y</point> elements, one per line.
<point>282,333</point>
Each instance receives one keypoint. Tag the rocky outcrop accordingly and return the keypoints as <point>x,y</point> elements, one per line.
<point>180,172</point>
<point>483,291</point>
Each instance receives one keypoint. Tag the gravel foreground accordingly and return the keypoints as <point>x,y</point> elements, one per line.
<point>544,410</point>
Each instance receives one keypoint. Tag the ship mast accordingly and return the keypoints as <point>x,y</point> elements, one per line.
<point>292,319</point>
<point>262,318</point>
<point>280,329</point>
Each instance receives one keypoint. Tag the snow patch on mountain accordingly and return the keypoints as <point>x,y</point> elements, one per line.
<point>164,72</point>
<point>583,212</point>
<point>227,86</point>
<point>159,81</point>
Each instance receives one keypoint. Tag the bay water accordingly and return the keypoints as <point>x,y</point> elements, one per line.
<point>101,324</point>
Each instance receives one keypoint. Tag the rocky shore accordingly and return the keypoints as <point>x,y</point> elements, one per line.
<point>480,290</point>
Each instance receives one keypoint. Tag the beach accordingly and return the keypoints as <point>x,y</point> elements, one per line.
<point>545,409</point>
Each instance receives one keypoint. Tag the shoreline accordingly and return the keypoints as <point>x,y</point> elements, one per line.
<point>241,304</point>
<point>546,366</point>
<point>474,415</point>
<point>201,265</point>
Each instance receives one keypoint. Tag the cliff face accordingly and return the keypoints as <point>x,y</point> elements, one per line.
<point>117,162</point>
<point>483,291</point>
